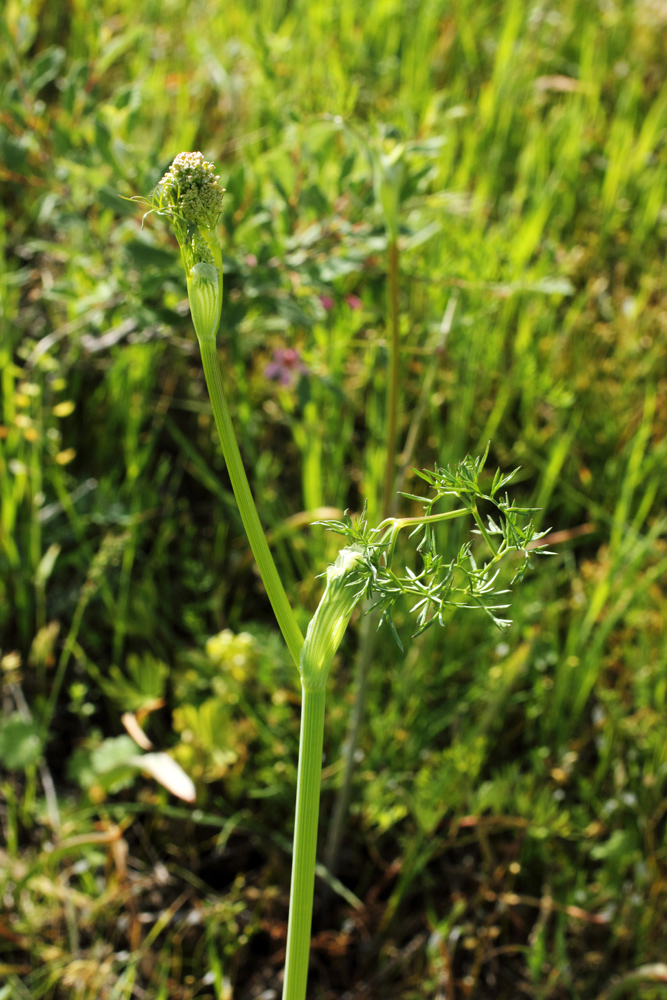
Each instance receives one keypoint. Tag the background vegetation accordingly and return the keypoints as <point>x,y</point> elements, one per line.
<point>508,824</point>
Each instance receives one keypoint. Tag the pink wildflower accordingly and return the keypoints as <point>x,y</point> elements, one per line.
<point>285,366</point>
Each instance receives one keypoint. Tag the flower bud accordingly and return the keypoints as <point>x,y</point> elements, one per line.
<point>205,294</point>
<point>346,582</point>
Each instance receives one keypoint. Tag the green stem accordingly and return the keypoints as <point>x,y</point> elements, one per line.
<point>391,413</point>
<point>480,525</point>
<point>396,524</point>
<point>251,523</point>
<point>305,843</point>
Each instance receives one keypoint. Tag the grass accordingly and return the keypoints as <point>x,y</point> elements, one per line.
<point>507,818</point>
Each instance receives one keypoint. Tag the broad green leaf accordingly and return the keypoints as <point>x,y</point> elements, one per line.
<point>20,744</point>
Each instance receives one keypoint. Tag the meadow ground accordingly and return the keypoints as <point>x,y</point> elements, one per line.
<point>507,824</point>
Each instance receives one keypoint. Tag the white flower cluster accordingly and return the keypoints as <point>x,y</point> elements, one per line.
<point>191,187</point>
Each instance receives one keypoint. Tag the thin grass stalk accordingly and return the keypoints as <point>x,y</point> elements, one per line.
<point>244,498</point>
<point>305,843</point>
<point>392,407</point>
<point>66,653</point>
<point>342,803</point>
<point>424,398</point>
<point>370,622</point>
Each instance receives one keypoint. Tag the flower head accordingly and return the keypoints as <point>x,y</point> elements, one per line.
<point>190,190</point>
<point>191,198</point>
<point>201,250</point>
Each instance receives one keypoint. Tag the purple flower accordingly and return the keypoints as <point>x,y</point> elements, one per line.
<point>354,302</point>
<point>285,366</point>
<point>327,302</point>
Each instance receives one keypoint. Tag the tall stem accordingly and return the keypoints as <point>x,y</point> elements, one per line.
<point>305,843</point>
<point>251,523</point>
<point>391,412</point>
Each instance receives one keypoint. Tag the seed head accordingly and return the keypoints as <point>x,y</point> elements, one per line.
<point>191,188</point>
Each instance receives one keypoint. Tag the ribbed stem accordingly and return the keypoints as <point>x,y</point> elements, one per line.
<point>251,523</point>
<point>305,844</point>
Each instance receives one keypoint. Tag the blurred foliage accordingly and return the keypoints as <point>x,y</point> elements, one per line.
<point>507,835</point>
